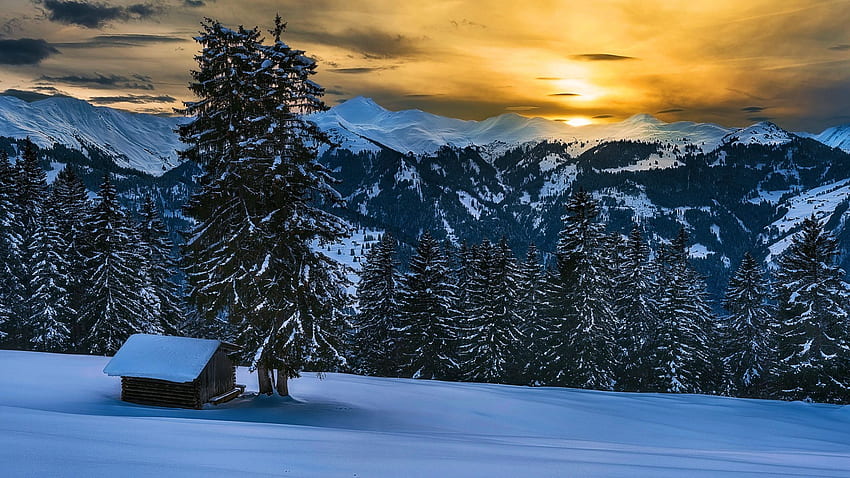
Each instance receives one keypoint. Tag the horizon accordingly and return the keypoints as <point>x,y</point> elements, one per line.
<point>580,64</point>
<point>29,98</point>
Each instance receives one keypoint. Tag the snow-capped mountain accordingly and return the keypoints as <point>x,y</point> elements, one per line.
<point>837,137</point>
<point>410,171</point>
<point>360,124</point>
<point>143,142</point>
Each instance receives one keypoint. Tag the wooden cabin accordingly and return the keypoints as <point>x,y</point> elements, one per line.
<point>178,372</point>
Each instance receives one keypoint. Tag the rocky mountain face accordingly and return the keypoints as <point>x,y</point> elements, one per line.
<point>407,172</point>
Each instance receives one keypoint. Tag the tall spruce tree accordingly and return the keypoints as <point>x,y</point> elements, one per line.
<point>636,311</point>
<point>30,194</point>
<point>160,293</point>
<point>10,293</point>
<point>682,359</point>
<point>530,290</point>
<point>250,257</point>
<point>749,332</point>
<point>113,310</point>
<point>428,325</point>
<point>377,340</point>
<point>581,349</point>
<point>69,198</point>
<point>51,313</point>
<point>493,338</point>
<point>813,315</point>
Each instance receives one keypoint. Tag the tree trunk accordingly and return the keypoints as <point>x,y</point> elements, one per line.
<point>265,380</point>
<point>282,382</point>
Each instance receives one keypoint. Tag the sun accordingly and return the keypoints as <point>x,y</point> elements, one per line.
<point>578,121</point>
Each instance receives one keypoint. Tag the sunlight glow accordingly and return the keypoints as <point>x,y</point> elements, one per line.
<point>578,121</point>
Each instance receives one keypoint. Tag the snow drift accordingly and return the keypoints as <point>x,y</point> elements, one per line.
<point>59,416</point>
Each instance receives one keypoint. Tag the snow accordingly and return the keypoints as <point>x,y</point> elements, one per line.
<point>836,137</point>
<point>139,141</point>
<point>699,251</point>
<point>361,124</point>
<point>763,133</point>
<point>176,359</point>
<point>820,202</point>
<point>60,417</point>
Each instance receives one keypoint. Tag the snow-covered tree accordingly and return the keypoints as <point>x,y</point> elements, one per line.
<point>749,331</point>
<point>377,341</point>
<point>428,328</point>
<point>160,294</point>
<point>251,258</point>
<point>636,312</point>
<point>10,293</point>
<point>530,289</point>
<point>30,192</point>
<point>683,340</point>
<point>580,316</point>
<point>813,318</point>
<point>70,203</point>
<point>47,326</point>
<point>113,308</point>
<point>492,339</point>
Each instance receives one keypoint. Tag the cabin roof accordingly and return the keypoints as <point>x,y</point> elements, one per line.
<point>163,357</point>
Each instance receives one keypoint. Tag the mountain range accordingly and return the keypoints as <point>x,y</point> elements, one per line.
<point>735,189</point>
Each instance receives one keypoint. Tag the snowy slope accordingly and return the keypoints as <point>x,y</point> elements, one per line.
<point>60,416</point>
<point>144,142</point>
<point>820,202</point>
<point>361,124</point>
<point>763,133</point>
<point>837,137</point>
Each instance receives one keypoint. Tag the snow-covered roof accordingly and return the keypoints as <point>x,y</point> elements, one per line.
<point>162,357</point>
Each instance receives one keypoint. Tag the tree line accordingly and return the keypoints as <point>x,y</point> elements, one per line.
<point>79,275</point>
<point>82,275</point>
<point>610,314</point>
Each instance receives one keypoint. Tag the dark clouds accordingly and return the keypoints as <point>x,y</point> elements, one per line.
<point>130,40</point>
<point>601,57</point>
<point>372,44</point>
<point>134,99</point>
<point>753,109</point>
<point>842,47</point>
<point>602,116</point>
<point>361,70</point>
<point>565,94</point>
<point>670,110</point>
<point>25,51</point>
<point>96,14</point>
<point>117,82</point>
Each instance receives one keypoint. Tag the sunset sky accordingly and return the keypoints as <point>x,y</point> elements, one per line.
<point>728,62</point>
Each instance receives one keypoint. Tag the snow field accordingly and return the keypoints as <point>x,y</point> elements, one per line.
<point>60,416</point>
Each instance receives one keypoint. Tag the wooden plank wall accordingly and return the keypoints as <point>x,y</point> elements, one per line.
<point>148,391</point>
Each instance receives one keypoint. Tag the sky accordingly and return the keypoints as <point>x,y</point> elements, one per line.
<point>721,61</point>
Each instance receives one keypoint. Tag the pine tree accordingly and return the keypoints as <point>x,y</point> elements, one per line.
<point>749,331</point>
<point>72,211</point>
<point>377,341</point>
<point>30,194</point>
<point>636,312</point>
<point>51,312</point>
<point>10,290</point>
<point>493,337</point>
<point>114,310</point>
<point>250,258</point>
<point>581,351</point>
<point>813,315</point>
<point>428,326</point>
<point>682,362</point>
<point>160,294</point>
<point>530,288</point>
